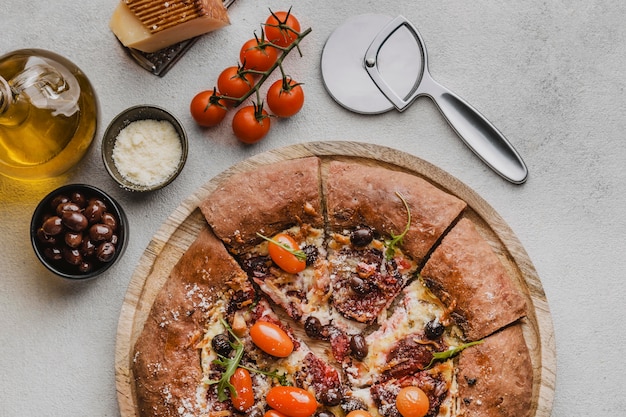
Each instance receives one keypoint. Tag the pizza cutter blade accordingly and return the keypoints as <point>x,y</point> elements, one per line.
<point>373,63</point>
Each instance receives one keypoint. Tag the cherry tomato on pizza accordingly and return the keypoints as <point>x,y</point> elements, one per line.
<point>286,253</point>
<point>412,402</point>
<point>258,55</point>
<point>292,401</point>
<point>243,397</point>
<point>273,413</point>
<point>251,124</point>
<point>359,413</point>
<point>285,97</point>
<point>282,28</point>
<point>207,109</point>
<point>233,82</point>
<point>271,339</point>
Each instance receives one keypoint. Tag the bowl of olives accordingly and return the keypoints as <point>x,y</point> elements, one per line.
<point>78,231</point>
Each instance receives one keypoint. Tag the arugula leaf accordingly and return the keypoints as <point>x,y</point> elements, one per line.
<point>300,254</point>
<point>281,378</point>
<point>230,364</point>
<point>447,354</point>
<point>397,239</point>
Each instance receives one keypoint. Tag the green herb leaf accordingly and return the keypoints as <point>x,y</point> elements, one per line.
<point>230,365</point>
<point>281,378</point>
<point>301,255</point>
<point>442,356</point>
<point>397,239</point>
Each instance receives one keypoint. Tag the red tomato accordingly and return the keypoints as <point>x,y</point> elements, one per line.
<point>412,402</point>
<point>285,97</point>
<point>250,125</point>
<point>258,55</point>
<point>205,111</point>
<point>359,413</point>
<point>273,413</point>
<point>271,339</point>
<point>282,28</point>
<point>243,397</point>
<point>286,260</point>
<point>233,83</point>
<point>292,401</point>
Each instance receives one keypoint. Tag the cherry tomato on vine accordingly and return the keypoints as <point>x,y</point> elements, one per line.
<point>412,402</point>
<point>233,83</point>
<point>258,55</point>
<point>285,97</point>
<point>286,260</point>
<point>277,28</point>
<point>271,339</point>
<point>205,111</point>
<point>292,401</point>
<point>251,124</point>
<point>243,397</point>
<point>359,413</point>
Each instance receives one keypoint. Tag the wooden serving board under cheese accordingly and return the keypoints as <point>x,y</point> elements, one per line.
<point>182,227</point>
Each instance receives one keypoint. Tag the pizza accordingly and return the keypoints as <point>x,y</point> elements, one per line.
<point>334,288</point>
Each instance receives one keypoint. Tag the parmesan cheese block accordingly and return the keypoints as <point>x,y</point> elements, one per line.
<point>150,25</point>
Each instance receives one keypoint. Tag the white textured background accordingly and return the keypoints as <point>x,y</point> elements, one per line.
<point>549,74</point>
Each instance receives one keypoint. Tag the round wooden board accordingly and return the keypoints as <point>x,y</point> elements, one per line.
<point>182,227</point>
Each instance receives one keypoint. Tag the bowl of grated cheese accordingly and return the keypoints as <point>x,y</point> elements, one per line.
<point>144,148</point>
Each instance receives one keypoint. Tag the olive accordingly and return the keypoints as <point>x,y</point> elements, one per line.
<point>221,345</point>
<point>44,238</point>
<point>74,221</point>
<point>361,236</point>
<point>85,266</point>
<point>105,252</point>
<point>87,248</point>
<point>359,286</point>
<point>73,239</point>
<point>313,327</point>
<point>110,220</point>
<point>311,254</point>
<point>331,397</point>
<point>94,210</point>
<point>67,206</point>
<point>72,256</point>
<point>53,253</point>
<point>434,329</point>
<point>99,232</point>
<point>59,199</point>
<point>52,226</point>
<point>358,346</point>
<point>78,198</point>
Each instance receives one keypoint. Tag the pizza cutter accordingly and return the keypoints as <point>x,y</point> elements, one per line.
<point>373,63</point>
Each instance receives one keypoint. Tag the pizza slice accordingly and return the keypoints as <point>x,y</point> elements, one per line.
<point>468,277</point>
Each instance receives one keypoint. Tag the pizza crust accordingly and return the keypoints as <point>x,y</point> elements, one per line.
<point>358,194</point>
<point>270,199</point>
<point>494,378</point>
<point>466,275</point>
<point>166,364</point>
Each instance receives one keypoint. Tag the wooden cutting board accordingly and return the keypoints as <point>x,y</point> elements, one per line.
<point>182,227</point>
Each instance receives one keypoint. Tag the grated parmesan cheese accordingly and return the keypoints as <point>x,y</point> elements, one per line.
<point>147,152</point>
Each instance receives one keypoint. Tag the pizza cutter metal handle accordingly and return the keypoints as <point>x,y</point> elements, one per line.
<point>480,135</point>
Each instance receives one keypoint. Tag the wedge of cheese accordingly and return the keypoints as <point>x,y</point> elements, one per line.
<point>150,25</point>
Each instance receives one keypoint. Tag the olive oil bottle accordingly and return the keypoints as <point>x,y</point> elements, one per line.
<point>48,114</point>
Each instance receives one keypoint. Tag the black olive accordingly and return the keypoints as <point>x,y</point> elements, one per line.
<point>358,346</point>
<point>221,345</point>
<point>311,254</point>
<point>331,397</point>
<point>362,236</point>
<point>434,329</point>
<point>359,286</point>
<point>313,327</point>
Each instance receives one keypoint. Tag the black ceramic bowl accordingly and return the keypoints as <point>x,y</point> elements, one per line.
<point>67,245</point>
<point>121,121</point>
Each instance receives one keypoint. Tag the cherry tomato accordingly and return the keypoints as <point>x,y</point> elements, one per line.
<point>286,260</point>
<point>273,413</point>
<point>412,402</point>
<point>258,55</point>
<point>232,83</point>
<point>243,397</point>
<point>250,125</point>
<point>205,111</point>
<point>277,28</point>
<point>292,401</point>
<point>359,413</point>
<point>285,97</point>
<point>271,339</point>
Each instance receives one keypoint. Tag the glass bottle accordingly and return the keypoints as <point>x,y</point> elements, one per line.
<point>48,114</point>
